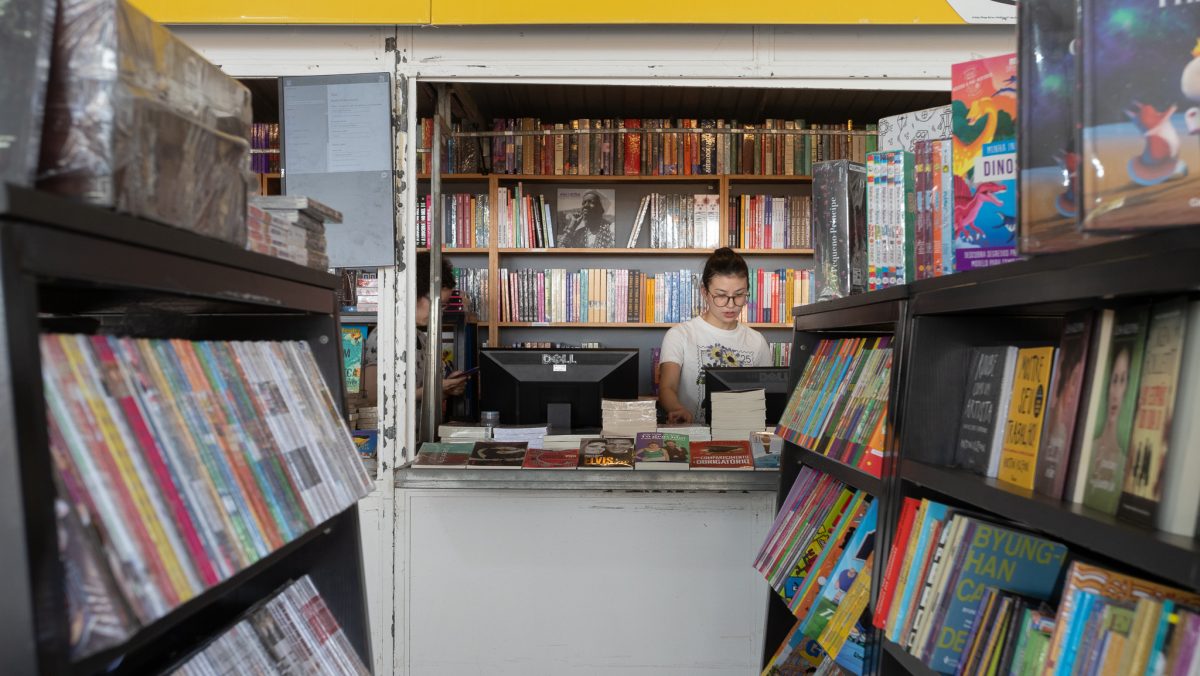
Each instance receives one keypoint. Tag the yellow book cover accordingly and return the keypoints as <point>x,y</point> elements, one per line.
<point>835,634</point>
<point>1026,410</point>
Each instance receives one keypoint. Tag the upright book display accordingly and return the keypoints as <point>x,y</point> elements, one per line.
<point>78,278</point>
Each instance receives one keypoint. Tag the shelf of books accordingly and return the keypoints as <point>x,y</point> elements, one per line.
<point>174,455</point>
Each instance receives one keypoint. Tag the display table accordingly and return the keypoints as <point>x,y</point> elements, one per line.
<point>580,572</point>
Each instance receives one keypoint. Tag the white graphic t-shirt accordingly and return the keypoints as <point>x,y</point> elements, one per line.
<point>696,344</point>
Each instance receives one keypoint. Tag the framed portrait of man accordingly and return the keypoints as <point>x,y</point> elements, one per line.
<point>585,218</point>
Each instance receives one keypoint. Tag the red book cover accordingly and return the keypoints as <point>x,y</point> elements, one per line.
<point>722,455</point>
<point>908,513</point>
<point>537,458</point>
<point>872,456</point>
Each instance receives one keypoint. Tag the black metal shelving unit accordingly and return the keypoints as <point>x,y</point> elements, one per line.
<point>65,266</point>
<point>935,323</point>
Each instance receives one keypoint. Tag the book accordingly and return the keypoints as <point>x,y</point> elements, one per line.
<point>1099,352</point>
<point>497,454</point>
<point>25,39</point>
<point>1180,504</point>
<point>1048,191</point>
<point>904,131</point>
<point>1026,413</point>
<point>726,454</point>
<point>1062,411</point>
<point>1008,559</point>
<point>989,389</point>
<point>1084,578</point>
<point>661,451</point>
<point>1149,446</point>
<point>442,456</point>
<point>540,458</point>
<point>1118,384</point>
<point>891,212</point>
<point>984,101</point>
<point>839,229</point>
<point>849,566</point>
<point>766,448</point>
<point>608,453</point>
<point>1138,167</point>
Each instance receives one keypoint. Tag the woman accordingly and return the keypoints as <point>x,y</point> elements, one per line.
<point>715,338</point>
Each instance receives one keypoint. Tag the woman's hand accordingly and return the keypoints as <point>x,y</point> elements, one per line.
<point>679,415</point>
<point>454,385</point>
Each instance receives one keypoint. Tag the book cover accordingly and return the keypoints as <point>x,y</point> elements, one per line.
<point>891,571</point>
<point>442,455</point>
<point>1010,560</point>
<point>989,376</point>
<point>1026,413</point>
<point>904,131</point>
<point>839,229</point>
<point>849,566</point>
<point>1180,504</point>
<point>1062,412</point>
<point>613,453</point>
<point>766,449</point>
<point>1048,192</point>
<point>932,515</point>
<point>26,36</point>
<point>497,454</point>
<point>721,455</point>
<point>984,101</point>
<point>1149,442</point>
<point>661,451</point>
<point>540,458</point>
<point>1140,86</point>
<point>1118,386</point>
<point>1081,454</point>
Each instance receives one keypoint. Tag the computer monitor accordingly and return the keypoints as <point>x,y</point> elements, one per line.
<point>772,379</point>
<point>530,387</point>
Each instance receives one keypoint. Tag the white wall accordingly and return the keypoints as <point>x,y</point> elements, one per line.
<point>860,57</point>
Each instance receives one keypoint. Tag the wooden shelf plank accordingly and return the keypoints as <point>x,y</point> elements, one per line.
<point>616,325</point>
<point>1172,557</point>
<point>647,252</point>
<point>456,251</point>
<point>757,178</point>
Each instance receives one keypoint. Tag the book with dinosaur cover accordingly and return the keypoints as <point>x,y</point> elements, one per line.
<point>1148,443</point>
<point>1063,410</point>
<point>839,229</point>
<point>1049,157</point>
<point>984,101</point>
<point>1139,112</point>
<point>1118,384</point>
<point>1026,413</point>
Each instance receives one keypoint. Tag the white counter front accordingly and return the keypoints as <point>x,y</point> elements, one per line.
<point>526,572</point>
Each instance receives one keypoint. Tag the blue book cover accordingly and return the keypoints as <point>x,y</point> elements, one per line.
<point>934,512</point>
<point>854,556</point>
<point>1010,560</point>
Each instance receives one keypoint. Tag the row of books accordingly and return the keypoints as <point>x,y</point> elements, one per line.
<point>817,556</point>
<point>839,406</point>
<point>647,451</point>
<point>770,222</point>
<point>193,460</point>
<point>292,633</point>
<point>474,287</point>
<point>679,221</point>
<point>608,147</point>
<point>466,220</point>
<point>264,136</point>
<point>1111,439</point>
<point>631,296</point>
<point>966,595</point>
<point>290,228</point>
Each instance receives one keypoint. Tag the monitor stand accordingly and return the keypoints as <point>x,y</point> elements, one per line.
<point>558,417</point>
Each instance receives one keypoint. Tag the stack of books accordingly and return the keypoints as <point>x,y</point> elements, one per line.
<point>737,414</point>
<point>251,426</point>
<point>628,417</point>
<point>561,442</point>
<point>817,556</point>
<point>291,228</point>
<point>466,432</point>
<point>532,435</point>
<point>365,418</point>
<point>293,633</point>
<point>692,432</point>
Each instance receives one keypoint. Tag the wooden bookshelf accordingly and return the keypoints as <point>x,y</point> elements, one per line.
<point>458,251</point>
<point>643,252</point>
<point>617,325</point>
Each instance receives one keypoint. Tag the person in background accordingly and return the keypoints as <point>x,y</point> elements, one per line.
<point>590,227</point>
<point>715,338</point>
<point>453,384</point>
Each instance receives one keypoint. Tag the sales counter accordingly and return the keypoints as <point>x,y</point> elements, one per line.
<point>580,571</point>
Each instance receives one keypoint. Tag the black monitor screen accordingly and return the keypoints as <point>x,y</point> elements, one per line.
<point>772,379</point>
<point>530,387</point>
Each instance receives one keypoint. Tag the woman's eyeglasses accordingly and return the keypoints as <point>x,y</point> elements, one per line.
<point>721,300</point>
